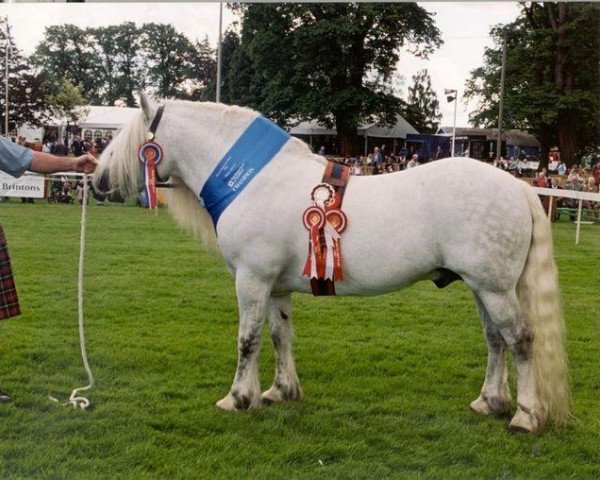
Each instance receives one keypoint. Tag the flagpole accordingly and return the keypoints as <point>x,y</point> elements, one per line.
<point>454,124</point>
<point>501,104</point>
<point>219,48</point>
<point>8,46</point>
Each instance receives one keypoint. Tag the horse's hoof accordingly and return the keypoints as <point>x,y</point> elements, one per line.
<point>480,406</point>
<point>235,401</point>
<point>485,405</point>
<point>271,396</point>
<point>226,403</point>
<point>525,422</point>
<point>278,393</point>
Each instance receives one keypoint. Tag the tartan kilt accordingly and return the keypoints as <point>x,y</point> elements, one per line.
<point>9,301</point>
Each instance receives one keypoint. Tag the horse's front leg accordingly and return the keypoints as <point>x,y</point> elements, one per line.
<point>286,385</point>
<point>252,294</point>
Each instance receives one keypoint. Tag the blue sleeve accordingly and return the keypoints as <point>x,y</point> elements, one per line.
<point>14,159</point>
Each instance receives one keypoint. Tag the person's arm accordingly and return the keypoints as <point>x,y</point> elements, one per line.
<point>47,163</point>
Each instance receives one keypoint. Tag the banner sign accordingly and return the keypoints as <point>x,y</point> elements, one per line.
<point>29,185</point>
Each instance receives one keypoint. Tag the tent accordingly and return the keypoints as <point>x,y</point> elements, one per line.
<point>398,131</point>
<point>105,118</point>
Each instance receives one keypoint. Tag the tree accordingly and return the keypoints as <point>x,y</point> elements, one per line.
<point>122,62</point>
<point>65,100</point>
<point>71,52</point>
<point>109,63</point>
<point>204,71</point>
<point>422,109</point>
<point>27,95</point>
<point>552,83</point>
<point>327,61</point>
<point>170,60</point>
<point>230,45</point>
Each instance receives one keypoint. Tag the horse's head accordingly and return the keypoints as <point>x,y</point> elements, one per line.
<point>120,169</point>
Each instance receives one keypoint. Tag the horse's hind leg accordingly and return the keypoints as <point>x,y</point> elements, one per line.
<point>285,385</point>
<point>252,294</point>
<point>505,312</point>
<point>495,394</point>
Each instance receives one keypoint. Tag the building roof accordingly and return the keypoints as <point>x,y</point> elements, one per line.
<point>399,130</point>
<point>517,138</point>
<point>106,117</point>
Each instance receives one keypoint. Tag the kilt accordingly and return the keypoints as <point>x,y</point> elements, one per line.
<point>9,301</point>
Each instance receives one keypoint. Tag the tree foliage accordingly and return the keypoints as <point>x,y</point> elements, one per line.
<point>422,109</point>
<point>109,63</point>
<point>119,48</point>
<point>65,100</point>
<point>27,95</point>
<point>170,60</point>
<point>326,61</point>
<point>552,85</point>
<point>70,52</point>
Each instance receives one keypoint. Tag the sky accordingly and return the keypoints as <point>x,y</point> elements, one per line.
<point>464,27</point>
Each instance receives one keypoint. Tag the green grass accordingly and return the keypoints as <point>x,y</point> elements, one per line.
<point>387,380</point>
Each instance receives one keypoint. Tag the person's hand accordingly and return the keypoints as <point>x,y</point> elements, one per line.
<point>85,163</point>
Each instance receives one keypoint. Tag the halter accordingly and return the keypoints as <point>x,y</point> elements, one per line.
<point>151,134</point>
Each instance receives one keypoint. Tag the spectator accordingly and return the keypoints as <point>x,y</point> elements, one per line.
<point>377,158</point>
<point>592,188</point>
<point>356,169</point>
<point>413,162</point>
<point>542,181</point>
<point>77,146</point>
<point>591,185</point>
<point>59,148</point>
<point>561,169</point>
<point>80,192</point>
<point>574,177</point>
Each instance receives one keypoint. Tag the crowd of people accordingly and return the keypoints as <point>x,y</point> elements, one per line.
<point>379,162</point>
<point>583,177</point>
<point>56,146</point>
<point>61,189</point>
<point>578,178</point>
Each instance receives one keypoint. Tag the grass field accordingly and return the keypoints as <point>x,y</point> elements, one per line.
<point>387,380</point>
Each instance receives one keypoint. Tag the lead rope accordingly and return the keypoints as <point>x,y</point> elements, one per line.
<point>74,400</point>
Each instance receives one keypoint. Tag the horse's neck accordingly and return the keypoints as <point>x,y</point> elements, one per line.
<point>208,136</point>
<point>200,138</point>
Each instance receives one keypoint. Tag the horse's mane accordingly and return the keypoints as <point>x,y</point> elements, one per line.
<point>121,156</point>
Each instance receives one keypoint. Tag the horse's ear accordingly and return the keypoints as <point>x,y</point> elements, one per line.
<point>147,106</point>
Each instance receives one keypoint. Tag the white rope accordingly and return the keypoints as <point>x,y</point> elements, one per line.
<point>74,399</point>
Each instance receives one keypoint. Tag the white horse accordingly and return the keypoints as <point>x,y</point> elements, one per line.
<point>452,219</point>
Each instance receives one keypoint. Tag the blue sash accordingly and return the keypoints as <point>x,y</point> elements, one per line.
<point>259,143</point>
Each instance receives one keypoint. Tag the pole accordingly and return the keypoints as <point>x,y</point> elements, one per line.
<point>579,207</point>
<point>6,80</point>
<point>219,48</point>
<point>501,104</point>
<point>454,126</point>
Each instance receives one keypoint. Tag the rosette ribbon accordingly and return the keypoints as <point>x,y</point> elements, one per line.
<point>150,155</point>
<point>314,220</point>
<point>325,224</point>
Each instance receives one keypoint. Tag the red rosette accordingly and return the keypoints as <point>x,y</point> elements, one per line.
<point>150,152</point>
<point>337,219</point>
<point>313,218</point>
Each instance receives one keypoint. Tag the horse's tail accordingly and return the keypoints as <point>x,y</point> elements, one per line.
<point>539,296</point>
